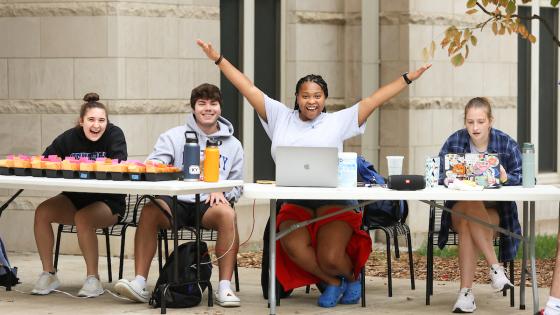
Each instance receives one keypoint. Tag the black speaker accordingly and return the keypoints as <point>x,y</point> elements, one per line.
<point>406,182</point>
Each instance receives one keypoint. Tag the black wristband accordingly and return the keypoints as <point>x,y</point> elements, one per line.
<point>406,79</point>
<point>217,62</point>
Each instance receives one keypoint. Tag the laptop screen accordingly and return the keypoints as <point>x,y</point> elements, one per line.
<point>307,166</point>
<point>483,169</point>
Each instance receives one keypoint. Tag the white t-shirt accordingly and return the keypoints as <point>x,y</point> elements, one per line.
<point>285,128</point>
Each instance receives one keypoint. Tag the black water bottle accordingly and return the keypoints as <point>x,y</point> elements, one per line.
<point>191,157</point>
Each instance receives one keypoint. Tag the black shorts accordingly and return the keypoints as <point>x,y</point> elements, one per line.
<point>185,211</point>
<point>115,202</point>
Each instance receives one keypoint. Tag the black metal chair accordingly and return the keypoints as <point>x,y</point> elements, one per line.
<point>132,210</point>
<point>453,239</point>
<point>189,234</point>
<point>392,232</point>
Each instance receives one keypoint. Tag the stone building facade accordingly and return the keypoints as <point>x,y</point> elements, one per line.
<point>141,57</point>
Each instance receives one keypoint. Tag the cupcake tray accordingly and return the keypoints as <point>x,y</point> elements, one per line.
<point>117,176</point>
<point>20,171</point>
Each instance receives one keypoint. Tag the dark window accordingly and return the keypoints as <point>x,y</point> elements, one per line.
<point>548,93</point>
<point>267,77</point>
<point>230,43</point>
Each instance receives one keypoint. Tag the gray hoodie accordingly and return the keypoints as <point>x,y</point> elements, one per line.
<point>169,150</point>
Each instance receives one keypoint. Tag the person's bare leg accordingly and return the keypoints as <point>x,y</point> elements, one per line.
<point>152,219</point>
<point>223,219</point>
<point>297,246</point>
<point>58,209</point>
<point>332,240</point>
<point>467,249</point>
<point>483,236</point>
<point>87,221</point>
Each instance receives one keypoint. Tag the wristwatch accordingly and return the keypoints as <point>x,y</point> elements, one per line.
<point>406,79</point>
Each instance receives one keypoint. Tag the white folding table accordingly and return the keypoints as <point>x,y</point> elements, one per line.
<point>169,188</point>
<point>507,193</point>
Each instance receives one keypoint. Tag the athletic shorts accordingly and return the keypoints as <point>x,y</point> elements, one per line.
<point>185,211</point>
<point>115,202</point>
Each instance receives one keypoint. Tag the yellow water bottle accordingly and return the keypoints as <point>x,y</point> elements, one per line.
<point>212,161</point>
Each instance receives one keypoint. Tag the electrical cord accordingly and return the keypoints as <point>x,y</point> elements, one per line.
<point>233,240</point>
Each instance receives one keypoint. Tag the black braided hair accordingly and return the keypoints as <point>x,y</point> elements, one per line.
<point>315,78</point>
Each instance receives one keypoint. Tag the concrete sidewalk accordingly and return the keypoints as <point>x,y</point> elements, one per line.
<point>404,300</point>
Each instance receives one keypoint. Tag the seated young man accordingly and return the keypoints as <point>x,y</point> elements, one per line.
<point>216,212</point>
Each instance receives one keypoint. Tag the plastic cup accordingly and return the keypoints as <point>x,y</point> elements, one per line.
<point>394,164</point>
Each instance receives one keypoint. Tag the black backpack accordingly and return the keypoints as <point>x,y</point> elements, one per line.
<point>180,295</point>
<point>8,274</point>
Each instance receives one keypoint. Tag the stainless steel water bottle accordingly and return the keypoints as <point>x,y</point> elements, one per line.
<point>528,165</point>
<point>191,157</point>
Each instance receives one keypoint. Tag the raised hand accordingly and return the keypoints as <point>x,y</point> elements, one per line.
<point>413,75</point>
<point>208,50</point>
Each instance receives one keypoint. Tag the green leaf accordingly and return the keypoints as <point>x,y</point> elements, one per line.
<point>458,60</point>
<point>471,11</point>
<point>485,2</point>
<point>554,3</point>
<point>511,7</point>
<point>495,28</point>
<point>471,3</point>
<point>474,40</point>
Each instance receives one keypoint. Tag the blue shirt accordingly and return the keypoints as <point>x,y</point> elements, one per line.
<point>510,158</point>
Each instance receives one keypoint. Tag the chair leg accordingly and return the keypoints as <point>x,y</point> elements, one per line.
<point>512,290</point>
<point>109,271</point>
<point>389,269</point>
<point>410,260</point>
<point>57,246</point>
<point>160,254</point>
<point>396,241</point>
<point>363,280</point>
<point>236,275</point>
<point>504,293</point>
<point>121,256</point>
<point>166,245</point>
<point>429,269</point>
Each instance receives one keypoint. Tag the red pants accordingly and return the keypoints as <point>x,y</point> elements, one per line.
<point>358,248</point>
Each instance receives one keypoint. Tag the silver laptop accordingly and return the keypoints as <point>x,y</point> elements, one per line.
<point>307,166</point>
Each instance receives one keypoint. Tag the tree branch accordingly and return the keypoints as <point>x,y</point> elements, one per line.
<point>526,18</point>
<point>548,28</point>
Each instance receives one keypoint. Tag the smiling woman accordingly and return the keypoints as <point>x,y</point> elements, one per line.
<point>93,117</point>
<point>331,251</point>
<point>92,137</point>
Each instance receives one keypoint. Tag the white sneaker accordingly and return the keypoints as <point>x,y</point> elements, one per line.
<point>226,298</point>
<point>92,287</point>
<point>46,284</point>
<point>465,302</point>
<point>132,290</point>
<point>500,282</point>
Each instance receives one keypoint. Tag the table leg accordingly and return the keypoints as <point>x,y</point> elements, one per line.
<point>272,259</point>
<point>175,239</point>
<point>534,280</point>
<point>525,249</point>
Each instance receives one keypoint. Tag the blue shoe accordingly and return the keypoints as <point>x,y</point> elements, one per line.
<point>353,292</point>
<point>332,294</point>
